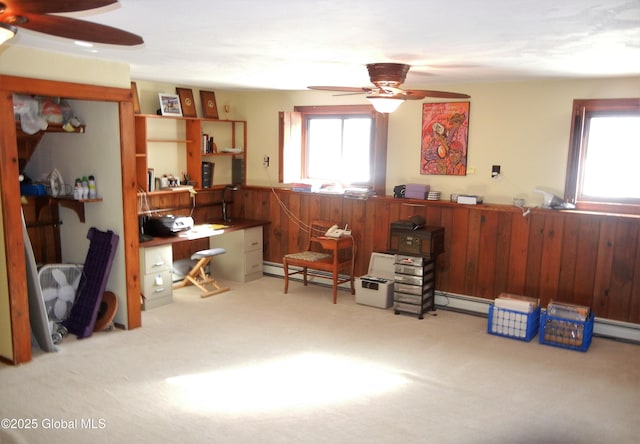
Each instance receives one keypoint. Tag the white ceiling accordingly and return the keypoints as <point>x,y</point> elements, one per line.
<point>288,45</point>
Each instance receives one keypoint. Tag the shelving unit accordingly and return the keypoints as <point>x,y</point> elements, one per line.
<point>414,285</point>
<point>27,143</point>
<point>183,138</point>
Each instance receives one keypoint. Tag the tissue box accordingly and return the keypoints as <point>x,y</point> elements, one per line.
<point>376,288</point>
<point>416,191</point>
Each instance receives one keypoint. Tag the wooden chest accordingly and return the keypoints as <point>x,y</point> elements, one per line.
<point>426,241</point>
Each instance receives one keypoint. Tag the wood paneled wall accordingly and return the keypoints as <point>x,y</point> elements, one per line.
<point>588,259</point>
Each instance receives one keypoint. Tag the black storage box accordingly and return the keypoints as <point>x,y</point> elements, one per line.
<point>426,241</point>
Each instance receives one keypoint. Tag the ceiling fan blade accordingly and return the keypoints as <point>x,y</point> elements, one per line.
<point>342,89</point>
<point>419,94</point>
<point>20,7</point>
<point>79,30</point>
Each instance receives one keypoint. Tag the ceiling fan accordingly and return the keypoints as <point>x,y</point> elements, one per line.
<point>35,15</point>
<point>386,94</point>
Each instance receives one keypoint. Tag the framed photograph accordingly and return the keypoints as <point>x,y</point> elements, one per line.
<point>136,99</point>
<point>209,106</point>
<point>170,104</point>
<point>445,130</point>
<point>186,102</point>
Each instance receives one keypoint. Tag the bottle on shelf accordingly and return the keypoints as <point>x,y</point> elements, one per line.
<point>77,190</point>
<point>85,187</point>
<point>92,187</point>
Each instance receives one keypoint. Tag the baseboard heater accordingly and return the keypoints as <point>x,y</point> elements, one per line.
<point>607,328</point>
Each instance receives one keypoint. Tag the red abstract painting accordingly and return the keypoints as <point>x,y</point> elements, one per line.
<point>445,130</point>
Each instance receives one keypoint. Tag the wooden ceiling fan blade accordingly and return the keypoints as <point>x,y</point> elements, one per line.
<point>347,89</point>
<point>79,30</point>
<point>350,93</point>
<point>419,94</point>
<point>21,7</point>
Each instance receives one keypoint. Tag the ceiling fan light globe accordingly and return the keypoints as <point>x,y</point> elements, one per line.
<point>7,32</point>
<point>385,104</point>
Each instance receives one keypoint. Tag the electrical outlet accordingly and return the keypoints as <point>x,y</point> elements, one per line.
<point>495,170</point>
<point>265,161</point>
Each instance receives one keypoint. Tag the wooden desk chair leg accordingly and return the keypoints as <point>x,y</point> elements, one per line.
<point>353,286</point>
<point>198,277</point>
<point>286,276</point>
<point>335,287</point>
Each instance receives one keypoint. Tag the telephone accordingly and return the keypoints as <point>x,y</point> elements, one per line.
<point>334,231</point>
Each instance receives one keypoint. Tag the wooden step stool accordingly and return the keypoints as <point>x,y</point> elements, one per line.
<point>198,274</point>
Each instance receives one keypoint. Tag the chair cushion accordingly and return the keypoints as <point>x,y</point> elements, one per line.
<point>309,256</point>
<point>207,253</point>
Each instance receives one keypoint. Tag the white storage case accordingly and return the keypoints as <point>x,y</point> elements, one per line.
<point>376,288</point>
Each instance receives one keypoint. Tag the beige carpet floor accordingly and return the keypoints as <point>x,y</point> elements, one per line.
<point>254,365</point>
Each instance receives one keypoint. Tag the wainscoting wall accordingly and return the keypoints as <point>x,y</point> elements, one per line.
<point>584,258</point>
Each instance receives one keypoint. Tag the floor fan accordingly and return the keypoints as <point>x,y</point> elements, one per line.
<point>59,283</point>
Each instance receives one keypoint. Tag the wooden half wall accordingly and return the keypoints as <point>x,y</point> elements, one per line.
<point>584,258</point>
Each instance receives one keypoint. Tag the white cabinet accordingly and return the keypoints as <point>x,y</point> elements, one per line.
<point>243,261</point>
<point>155,267</point>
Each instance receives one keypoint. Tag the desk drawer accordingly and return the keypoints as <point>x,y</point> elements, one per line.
<point>253,239</point>
<point>253,262</point>
<point>155,259</point>
<point>157,285</point>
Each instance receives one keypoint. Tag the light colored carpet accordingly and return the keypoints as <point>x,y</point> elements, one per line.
<point>254,365</point>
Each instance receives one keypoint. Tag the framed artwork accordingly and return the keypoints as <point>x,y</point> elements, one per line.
<point>136,99</point>
<point>209,106</point>
<point>170,104</point>
<point>186,102</point>
<point>445,130</point>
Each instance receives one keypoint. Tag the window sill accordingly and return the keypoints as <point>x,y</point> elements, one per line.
<point>615,209</point>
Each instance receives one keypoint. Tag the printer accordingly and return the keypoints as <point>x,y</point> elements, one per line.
<point>165,226</point>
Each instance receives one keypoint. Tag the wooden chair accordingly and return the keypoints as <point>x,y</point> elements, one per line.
<point>323,254</point>
<point>198,275</point>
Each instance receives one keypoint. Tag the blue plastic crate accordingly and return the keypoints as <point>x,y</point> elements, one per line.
<point>566,333</point>
<point>513,324</point>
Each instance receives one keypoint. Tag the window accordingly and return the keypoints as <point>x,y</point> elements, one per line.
<point>343,144</point>
<point>604,155</point>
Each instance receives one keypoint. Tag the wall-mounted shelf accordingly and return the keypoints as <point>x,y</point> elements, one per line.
<point>27,143</point>
<point>67,202</point>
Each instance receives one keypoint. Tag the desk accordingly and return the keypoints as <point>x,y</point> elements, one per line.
<point>242,263</point>
<point>201,231</point>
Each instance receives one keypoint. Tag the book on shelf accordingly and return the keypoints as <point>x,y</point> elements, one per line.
<point>207,174</point>
<point>151,179</point>
<point>361,193</point>
<point>208,144</point>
